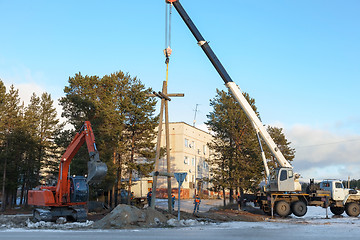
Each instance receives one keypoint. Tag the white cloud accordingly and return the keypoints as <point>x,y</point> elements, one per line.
<point>202,127</point>
<point>323,153</point>
<point>27,89</point>
<point>23,79</point>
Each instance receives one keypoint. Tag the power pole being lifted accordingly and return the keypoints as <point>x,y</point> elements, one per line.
<point>165,97</point>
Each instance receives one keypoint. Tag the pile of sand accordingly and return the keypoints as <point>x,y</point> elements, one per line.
<point>126,216</point>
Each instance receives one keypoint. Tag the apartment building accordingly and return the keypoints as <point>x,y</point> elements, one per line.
<point>188,151</point>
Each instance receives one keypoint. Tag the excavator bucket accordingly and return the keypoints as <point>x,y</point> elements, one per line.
<point>96,169</point>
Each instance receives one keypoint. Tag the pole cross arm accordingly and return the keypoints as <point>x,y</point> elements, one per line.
<point>164,96</point>
<point>165,174</point>
<point>155,94</point>
<point>176,95</point>
<point>159,95</point>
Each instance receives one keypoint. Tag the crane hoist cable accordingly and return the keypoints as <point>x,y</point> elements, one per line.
<point>167,50</point>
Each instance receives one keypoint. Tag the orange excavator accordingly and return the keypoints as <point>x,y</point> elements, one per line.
<point>70,195</point>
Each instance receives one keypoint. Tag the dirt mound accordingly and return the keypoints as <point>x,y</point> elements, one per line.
<point>228,215</point>
<point>125,216</point>
<point>219,214</point>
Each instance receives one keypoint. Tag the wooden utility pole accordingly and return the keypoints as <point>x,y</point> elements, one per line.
<point>165,98</point>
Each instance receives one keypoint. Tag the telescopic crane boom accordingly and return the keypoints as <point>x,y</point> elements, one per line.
<point>239,97</point>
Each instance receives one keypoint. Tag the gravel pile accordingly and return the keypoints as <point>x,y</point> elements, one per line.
<point>125,216</point>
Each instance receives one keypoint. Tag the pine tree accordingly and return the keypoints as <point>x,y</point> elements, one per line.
<point>2,112</point>
<point>140,132</point>
<point>25,141</point>
<point>282,143</point>
<point>31,164</point>
<point>41,119</point>
<point>11,120</point>
<point>122,118</point>
<point>48,128</point>
<point>236,151</point>
<point>235,146</point>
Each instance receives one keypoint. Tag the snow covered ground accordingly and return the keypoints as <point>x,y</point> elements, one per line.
<point>314,225</point>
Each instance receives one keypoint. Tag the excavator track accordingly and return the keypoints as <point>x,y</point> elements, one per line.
<point>78,214</point>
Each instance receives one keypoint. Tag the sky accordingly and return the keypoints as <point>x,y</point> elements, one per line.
<point>298,59</point>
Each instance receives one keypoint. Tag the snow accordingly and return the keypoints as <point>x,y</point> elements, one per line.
<point>184,223</point>
<point>28,224</point>
<point>313,224</point>
<point>52,225</point>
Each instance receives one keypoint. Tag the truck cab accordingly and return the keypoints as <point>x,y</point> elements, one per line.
<point>336,189</point>
<point>283,179</point>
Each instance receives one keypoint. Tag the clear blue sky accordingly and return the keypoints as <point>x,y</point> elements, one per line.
<point>300,60</point>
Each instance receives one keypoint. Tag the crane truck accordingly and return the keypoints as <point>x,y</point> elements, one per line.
<point>70,195</point>
<point>282,194</point>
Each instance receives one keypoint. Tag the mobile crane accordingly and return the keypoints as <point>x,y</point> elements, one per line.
<point>282,193</point>
<point>70,195</point>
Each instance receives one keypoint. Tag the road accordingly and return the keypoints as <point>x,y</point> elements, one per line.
<point>314,225</point>
<point>228,231</point>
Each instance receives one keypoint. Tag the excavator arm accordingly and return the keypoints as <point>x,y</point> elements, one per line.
<point>96,169</point>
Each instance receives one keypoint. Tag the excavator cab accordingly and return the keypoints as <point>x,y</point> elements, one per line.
<point>79,189</point>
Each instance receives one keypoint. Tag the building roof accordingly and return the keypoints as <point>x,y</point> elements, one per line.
<point>191,127</point>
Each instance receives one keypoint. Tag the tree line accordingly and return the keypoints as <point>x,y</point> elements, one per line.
<point>32,140</point>
<point>26,142</point>
<point>123,119</point>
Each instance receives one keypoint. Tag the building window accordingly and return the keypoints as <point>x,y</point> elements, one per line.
<point>193,144</point>
<point>204,149</point>
<point>193,161</point>
<point>186,160</point>
<point>186,142</point>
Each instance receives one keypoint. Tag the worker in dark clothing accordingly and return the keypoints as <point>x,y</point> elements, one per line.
<point>149,197</point>
<point>197,202</point>
<point>238,199</point>
<point>132,198</point>
<point>173,201</point>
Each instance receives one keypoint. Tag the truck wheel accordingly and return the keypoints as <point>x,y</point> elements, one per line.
<point>282,208</point>
<point>352,209</point>
<point>266,209</point>
<point>337,210</point>
<point>299,208</point>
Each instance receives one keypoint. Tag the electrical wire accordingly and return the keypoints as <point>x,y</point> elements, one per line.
<point>326,144</point>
